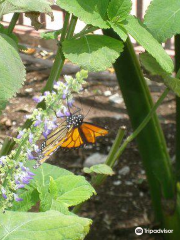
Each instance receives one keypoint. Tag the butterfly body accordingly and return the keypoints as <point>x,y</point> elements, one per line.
<point>74,120</point>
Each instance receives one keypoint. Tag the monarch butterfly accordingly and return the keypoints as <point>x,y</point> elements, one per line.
<point>72,133</point>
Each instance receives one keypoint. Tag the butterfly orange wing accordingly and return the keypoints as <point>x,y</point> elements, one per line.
<point>74,139</point>
<point>91,132</point>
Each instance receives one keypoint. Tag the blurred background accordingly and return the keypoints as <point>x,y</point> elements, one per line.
<point>124,201</point>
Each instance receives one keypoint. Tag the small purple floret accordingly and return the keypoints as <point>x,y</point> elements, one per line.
<point>17,198</point>
<point>30,155</point>
<point>59,114</point>
<point>4,196</point>
<point>21,133</point>
<point>38,99</point>
<point>31,138</point>
<point>70,103</point>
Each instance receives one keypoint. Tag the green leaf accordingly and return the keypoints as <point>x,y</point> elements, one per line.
<point>53,189</point>
<point>151,65</point>
<point>12,70</point>
<point>93,52</point>
<point>162,19</point>
<point>42,226</point>
<point>173,84</point>
<point>120,30</point>
<point>92,12</point>
<point>99,169</point>
<point>43,173</point>
<point>51,34</point>
<point>11,6</point>
<point>138,31</point>
<point>73,190</point>
<point>66,188</point>
<point>118,10</point>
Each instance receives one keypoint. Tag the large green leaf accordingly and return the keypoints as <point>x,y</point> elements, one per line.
<point>43,173</point>
<point>42,226</point>
<point>12,70</point>
<point>59,186</point>
<point>138,31</point>
<point>10,6</point>
<point>162,19</point>
<point>92,12</point>
<point>73,190</point>
<point>118,10</point>
<point>93,52</point>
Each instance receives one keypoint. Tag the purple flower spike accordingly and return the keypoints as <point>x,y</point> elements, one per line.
<point>59,114</point>
<point>31,138</point>
<point>17,198</point>
<point>38,99</point>
<point>21,133</point>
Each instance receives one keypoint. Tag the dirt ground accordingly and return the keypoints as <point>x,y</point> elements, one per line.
<point>123,202</point>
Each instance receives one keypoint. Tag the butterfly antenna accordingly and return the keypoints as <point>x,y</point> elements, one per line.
<point>88,110</point>
<point>81,105</point>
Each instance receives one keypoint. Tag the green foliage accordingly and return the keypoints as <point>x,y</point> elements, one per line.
<point>92,12</point>
<point>42,226</point>
<point>93,52</point>
<point>119,10</point>
<point>154,68</point>
<point>162,19</point>
<point>138,31</point>
<point>120,30</point>
<point>151,65</point>
<point>12,70</point>
<point>30,198</point>
<point>173,84</point>
<point>57,189</point>
<point>51,34</point>
<point>99,169</point>
<point>11,6</point>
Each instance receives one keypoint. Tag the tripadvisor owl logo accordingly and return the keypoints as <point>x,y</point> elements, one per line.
<point>139,231</point>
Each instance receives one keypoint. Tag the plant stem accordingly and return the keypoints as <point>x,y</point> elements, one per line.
<point>177,67</point>
<point>59,59</point>
<point>151,142</point>
<point>142,125</point>
<point>13,22</point>
<point>110,161</point>
<point>72,27</point>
